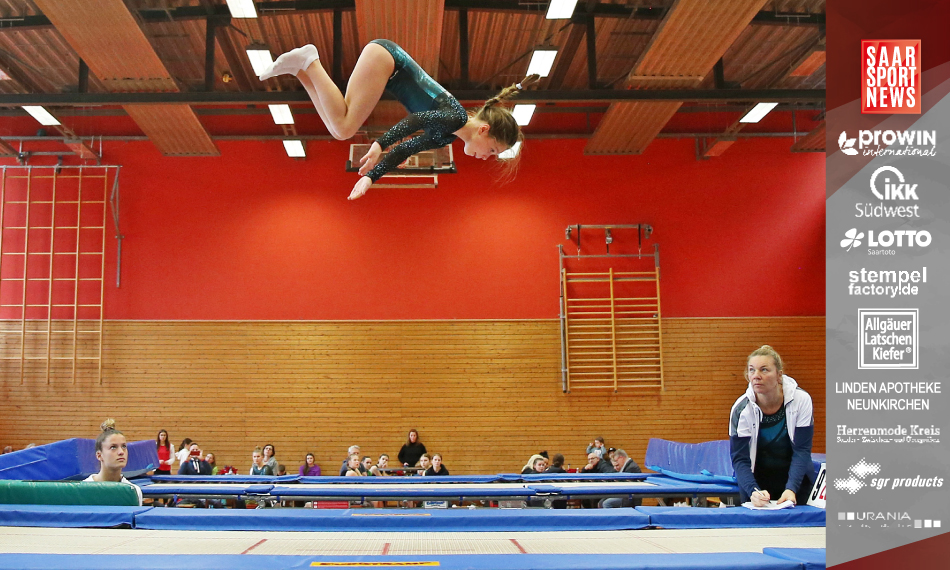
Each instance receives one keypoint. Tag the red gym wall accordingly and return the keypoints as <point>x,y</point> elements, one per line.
<point>455,294</point>
<point>255,235</point>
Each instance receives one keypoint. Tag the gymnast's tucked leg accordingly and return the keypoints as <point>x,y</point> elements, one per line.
<point>345,114</point>
<point>342,114</point>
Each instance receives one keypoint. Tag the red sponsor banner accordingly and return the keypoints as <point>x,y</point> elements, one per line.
<point>890,78</point>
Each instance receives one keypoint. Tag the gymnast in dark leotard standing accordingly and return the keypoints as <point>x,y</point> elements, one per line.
<point>384,66</point>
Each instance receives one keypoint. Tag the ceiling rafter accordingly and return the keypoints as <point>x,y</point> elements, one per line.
<point>689,41</point>
<point>108,38</point>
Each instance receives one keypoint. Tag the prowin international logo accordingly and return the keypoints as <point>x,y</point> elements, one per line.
<point>886,239</point>
<point>889,143</point>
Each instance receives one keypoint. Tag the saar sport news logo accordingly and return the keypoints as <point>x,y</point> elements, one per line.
<point>890,72</point>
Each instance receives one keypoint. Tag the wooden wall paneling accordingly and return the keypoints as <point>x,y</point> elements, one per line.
<point>487,394</point>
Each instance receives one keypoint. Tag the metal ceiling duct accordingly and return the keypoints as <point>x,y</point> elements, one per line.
<point>108,38</point>
<point>416,25</point>
<point>690,40</point>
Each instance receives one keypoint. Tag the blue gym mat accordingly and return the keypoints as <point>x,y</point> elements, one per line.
<point>733,517</point>
<point>393,520</point>
<point>706,561</point>
<point>69,516</point>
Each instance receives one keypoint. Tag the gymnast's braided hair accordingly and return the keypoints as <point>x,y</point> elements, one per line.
<point>501,123</point>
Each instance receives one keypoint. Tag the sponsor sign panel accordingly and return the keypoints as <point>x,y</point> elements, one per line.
<point>887,306</point>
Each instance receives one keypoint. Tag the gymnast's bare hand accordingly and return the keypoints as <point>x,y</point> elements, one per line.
<point>361,187</point>
<point>370,159</point>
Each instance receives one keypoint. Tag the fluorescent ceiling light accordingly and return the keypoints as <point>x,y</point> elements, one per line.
<point>561,9</point>
<point>541,62</point>
<point>281,114</point>
<point>242,8</point>
<point>511,152</point>
<point>522,113</point>
<point>757,112</point>
<point>41,115</point>
<point>294,148</point>
<point>260,57</point>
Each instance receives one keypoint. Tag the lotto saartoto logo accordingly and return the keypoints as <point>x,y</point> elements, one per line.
<point>852,238</point>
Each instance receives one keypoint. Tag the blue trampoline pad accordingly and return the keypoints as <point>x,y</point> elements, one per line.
<point>203,490</point>
<point>393,520</point>
<point>733,517</point>
<point>68,516</point>
<point>811,558</point>
<point>718,561</point>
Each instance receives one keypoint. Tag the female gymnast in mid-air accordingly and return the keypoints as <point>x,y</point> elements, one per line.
<point>384,66</point>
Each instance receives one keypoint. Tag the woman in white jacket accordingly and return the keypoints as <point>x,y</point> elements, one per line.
<point>770,432</point>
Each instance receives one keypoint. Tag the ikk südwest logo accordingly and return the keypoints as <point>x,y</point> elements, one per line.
<point>890,77</point>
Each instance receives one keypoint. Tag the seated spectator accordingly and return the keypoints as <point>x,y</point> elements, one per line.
<point>412,450</point>
<point>623,464</point>
<point>609,455</point>
<point>536,464</point>
<point>597,465</point>
<point>184,450</point>
<point>309,468</point>
<point>8,449</point>
<point>557,464</point>
<point>597,446</point>
<point>437,467</point>
<point>366,464</point>
<point>166,454</point>
<point>209,459</point>
<point>112,451</point>
<point>194,465</point>
<point>425,462</point>
<point>352,449</point>
<point>270,458</point>
<point>382,463</point>
<point>281,469</point>
<point>257,466</point>
<point>353,466</point>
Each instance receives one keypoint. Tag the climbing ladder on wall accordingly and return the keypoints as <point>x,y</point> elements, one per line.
<point>52,263</point>
<point>611,328</point>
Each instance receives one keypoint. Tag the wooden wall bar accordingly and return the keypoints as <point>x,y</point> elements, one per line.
<point>486,394</point>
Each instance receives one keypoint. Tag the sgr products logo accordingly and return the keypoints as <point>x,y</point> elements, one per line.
<point>888,338</point>
<point>879,143</point>
<point>886,239</point>
<point>874,283</point>
<point>888,185</point>
<point>891,76</point>
<point>860,471</point>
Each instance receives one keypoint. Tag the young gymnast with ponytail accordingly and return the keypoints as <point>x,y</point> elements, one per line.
<point>384,66</point>
<point>112,451</point>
